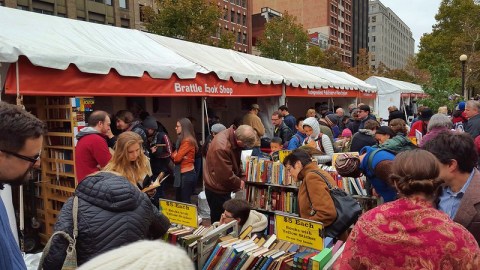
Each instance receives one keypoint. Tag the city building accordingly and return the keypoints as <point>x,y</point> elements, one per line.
<point>321,18</point>
<point>237,16</point>
<point>128,13</point>
<point>258,25</point>
<point>360,28</point>
<point>390,40</point>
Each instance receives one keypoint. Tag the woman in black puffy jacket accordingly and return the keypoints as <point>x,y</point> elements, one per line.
<point>111,213</point>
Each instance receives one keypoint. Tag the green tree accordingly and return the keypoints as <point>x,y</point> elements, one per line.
<point>315,56</point>
<point>192,20</point>
<point>284,39</point>
<point>441,86</point>
<point>456,32</point>
<point>227,40</point>
<point>333,59</point>
<point>362,70</point>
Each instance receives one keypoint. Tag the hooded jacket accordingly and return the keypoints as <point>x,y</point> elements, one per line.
<point>323,142</point>
<point>364,137</point>
<point>91,152</point>
<point>111,213</point>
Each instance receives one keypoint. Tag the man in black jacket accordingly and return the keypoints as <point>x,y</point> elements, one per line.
<point>281,130</point>
<point>111,213</point>
<point>394,113</point>
<point>364,137</point>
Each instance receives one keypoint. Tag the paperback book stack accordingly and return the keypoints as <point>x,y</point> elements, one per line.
<point>269,254</point>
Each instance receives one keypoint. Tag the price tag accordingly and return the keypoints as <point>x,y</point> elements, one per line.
<point>180,213</point>
<point>299,231</point>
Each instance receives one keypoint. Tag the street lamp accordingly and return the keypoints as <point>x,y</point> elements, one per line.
<point>463,59</point>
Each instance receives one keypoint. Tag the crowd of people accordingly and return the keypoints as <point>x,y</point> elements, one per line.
<point>431,191</point>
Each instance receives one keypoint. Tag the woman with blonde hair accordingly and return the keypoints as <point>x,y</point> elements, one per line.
<point>128,159</point>
<point>184,159</point>
<point>410,233</point>
<point>311,113</point>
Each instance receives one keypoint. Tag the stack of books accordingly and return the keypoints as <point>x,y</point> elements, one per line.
<point>266,171</point>
<point>269,254</point>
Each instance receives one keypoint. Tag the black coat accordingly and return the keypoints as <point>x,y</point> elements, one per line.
<point>361,139</point>
<point>111,213</point>
<point>396,114</point>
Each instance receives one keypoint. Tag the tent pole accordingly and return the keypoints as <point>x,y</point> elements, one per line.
<point>204,117</point>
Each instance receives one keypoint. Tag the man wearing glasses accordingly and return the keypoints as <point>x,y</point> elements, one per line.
<point>364,115</point>
<point>21,139</point>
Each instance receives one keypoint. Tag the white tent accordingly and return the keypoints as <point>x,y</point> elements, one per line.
<point>389,92</point>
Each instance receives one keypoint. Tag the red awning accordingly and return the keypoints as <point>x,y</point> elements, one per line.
<point>43,81</point>
<point>365,95</point>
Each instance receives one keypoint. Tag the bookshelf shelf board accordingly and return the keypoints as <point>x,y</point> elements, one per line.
<point>275,212</point>
<point>58,198</point>
<point>60,134</point>
<point>63,161</point>
<point>52,212</point>
<point>59,147</point>
<point>57,187</point>
<point>58,120</point>
<point>65,106</point>
<point>271,185</point>
<point>60,173</point>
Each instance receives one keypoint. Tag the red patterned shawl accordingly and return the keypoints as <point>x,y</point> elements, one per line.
<point>409,234</point>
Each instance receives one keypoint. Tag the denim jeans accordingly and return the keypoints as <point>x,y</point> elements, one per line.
<point>185,191</point>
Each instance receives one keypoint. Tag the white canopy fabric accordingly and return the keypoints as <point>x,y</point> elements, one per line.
<point>225,63</point>
<point>363,86</point>
<point>335,80</point>
<point>55,42</point>
<point>389,93</point>
<point>292,75</point>
<point>386,85</point>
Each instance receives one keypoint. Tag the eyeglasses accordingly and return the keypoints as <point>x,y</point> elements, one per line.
<point>226,216</point>
<point>29,159</point>
<point>275,119</point>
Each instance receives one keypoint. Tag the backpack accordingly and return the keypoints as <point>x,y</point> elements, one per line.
<point>372,154</point>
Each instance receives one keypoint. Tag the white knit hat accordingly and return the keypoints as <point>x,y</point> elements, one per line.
<point>142,255</point>
<point>313,123</point>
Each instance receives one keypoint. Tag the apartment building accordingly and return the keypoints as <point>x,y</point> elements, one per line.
<point>360,28</point>
<point>390,40</point>
<point>237,18</point>
<point>321,18</point>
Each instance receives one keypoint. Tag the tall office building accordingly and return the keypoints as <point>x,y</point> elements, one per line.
<point>360,28</point>
<point>332,18</point>
<point>236,15</point>
<point>390,40</point>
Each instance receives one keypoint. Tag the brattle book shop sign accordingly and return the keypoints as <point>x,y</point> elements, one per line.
<point>327,92</point>
<point>180,213</point>
<point>299,231</point>
<point>197,89</point>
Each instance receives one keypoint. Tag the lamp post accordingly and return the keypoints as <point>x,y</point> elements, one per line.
<point>463,59</point>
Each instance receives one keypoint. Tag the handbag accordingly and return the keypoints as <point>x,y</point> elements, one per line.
<point>348,209</point>
<point>70,262</point>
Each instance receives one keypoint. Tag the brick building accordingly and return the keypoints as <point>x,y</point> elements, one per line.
<point>332,18</point>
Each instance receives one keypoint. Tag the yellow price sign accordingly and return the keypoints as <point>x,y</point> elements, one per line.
<point>299,231</point>
<point>180,213</point>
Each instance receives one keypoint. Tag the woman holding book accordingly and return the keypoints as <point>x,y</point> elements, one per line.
<point>184,159</point>
<point>316,139</point>
<point>129,160</point>
<point>410,233</point>
<point>314,200</point>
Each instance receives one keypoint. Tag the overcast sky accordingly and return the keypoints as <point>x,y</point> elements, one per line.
<point>419,15</point>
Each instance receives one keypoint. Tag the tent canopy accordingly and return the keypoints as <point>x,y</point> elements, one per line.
<point>75,47</point>
<point>386,86</point>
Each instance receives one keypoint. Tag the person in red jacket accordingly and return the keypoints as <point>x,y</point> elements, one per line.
<point>91,152</point>
<point>422,123</point>
<point>184,159</point>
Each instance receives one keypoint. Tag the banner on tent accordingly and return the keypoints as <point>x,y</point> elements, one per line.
<point>329,92</point>
<point>366,95</point>
<point>72,82</point>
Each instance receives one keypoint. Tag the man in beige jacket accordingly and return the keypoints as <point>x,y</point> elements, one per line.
<point>252,119</point>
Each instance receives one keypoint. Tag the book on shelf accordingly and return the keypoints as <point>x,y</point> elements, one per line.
<point>260,170</point>
<point>270,198</point>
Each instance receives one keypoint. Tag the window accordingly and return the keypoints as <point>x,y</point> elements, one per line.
<point>244,22</point>
<point>108,2</point>
<point>244,41</point>
<point>42,11</point>
<point>244,3</point>
<point>239,19</point>
<point>142,12</point>
<point>374,18</point>
<point>22,7</point>
<point>239,37</point>
<point>225,14</point>
<point>373,28</point>
<point>232,16</point>
<point>374,39</point>
<point>123,4</point>
<point>125,23</point>
<point>96,17</point>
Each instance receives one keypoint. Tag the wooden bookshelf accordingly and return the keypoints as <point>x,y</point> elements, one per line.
<point>63,116</point>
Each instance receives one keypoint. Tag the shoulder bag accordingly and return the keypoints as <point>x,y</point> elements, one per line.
<point>348,209</point>
<point>70,262</point>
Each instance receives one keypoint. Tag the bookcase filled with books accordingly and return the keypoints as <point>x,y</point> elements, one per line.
<point>269,188</point>
<point>64,117</point>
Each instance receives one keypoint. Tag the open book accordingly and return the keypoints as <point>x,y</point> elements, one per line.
<point>156,183</point>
